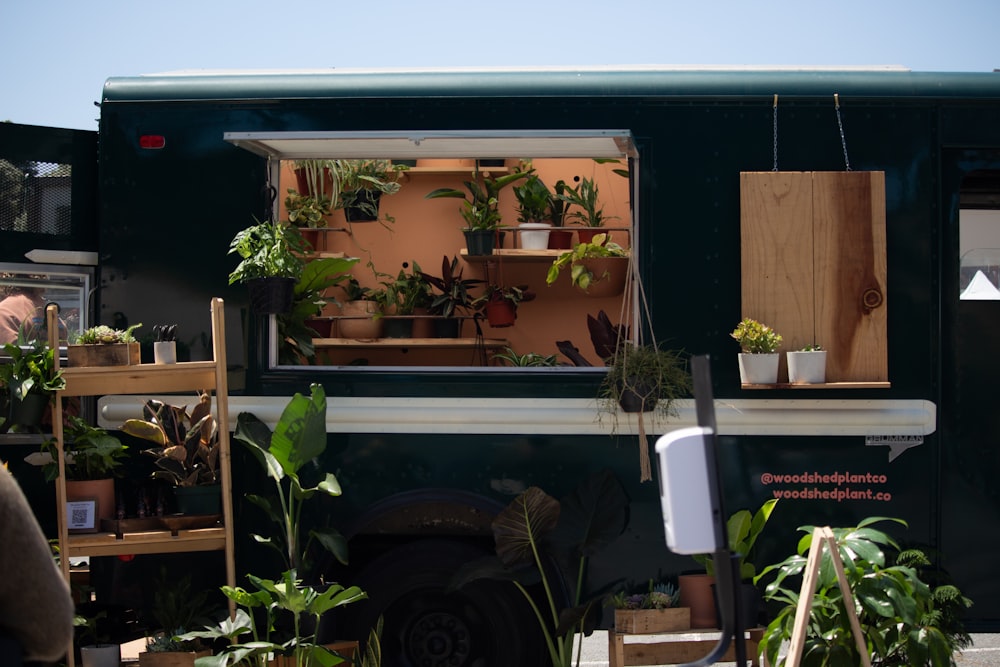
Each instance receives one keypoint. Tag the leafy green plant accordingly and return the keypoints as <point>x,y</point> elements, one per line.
<point>267,250</point>
<point>528,359</point>
<point>298,438</point>
<point>481,206</point>
<point>177,607</point>
<point>533,200</point>
<point>662,595</point>
<point>743,529</point>
<point>813,348</point>
<point>513,294</point>
<point>295,337</point>
<point>535,529</point>
<point>580,275</point>
<point>286,596</point>
<point>105,335</point>
<point>756,338</point>
<point>306,210</point>
<point>904,620</point>
<point>363,182</point>
<point>91,453</point>
<point>408,291</point>
<point>188,444</point>
<point>454,294</point>
<point>658,376</point>
<point>586,198</point>
<point>31,370</point>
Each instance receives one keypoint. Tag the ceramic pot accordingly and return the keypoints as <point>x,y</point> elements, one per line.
<point>480,241</point>
<point>807,367</point>
<point>758,368</point>
<point>101,655</point>
<point>165,352</point>
<point>697,594</point>
<point>534,235</point>
<point>637,397</point>
<point>359,321</point>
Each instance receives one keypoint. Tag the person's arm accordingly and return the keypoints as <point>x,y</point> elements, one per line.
<point>36,608</point>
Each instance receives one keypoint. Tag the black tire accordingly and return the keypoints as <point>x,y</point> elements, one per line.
<point>485,624</point>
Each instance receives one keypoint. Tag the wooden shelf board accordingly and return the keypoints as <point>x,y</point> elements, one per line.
<point>824,385</point>
<point>140,378</point>
<point>489,343</point>
<point>147,542</point>
<point>513,255</point>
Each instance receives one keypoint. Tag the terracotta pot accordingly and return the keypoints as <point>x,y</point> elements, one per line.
<point>423,327</point>
<point>697,594</point>
<point>314,237</point>
<point>359,322</point>
<point>587,234</point>
<point>560,239</point>
<point>500,314</point>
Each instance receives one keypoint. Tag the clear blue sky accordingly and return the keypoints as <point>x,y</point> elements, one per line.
<point>60,52</point>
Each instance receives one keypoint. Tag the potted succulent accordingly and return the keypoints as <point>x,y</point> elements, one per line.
<point>452,298</point>
<point>102,345</point>
<point>533,201</point>
<point>30,379</point>
<point>362,184</point>
<point>599,267</point>
<point>807,366</point>
<point>589,211</point>
<point>187,451</point>
<point>656,609</point>
<point>758,356</point>
<point>500,303</point>
<point>480,208</point>
<point>270,264</point>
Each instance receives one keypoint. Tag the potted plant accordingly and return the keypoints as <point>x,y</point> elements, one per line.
<point>308,213</point>
<point>361,311</point>
<point>590,212</point>
<point>559,238</point>
<point>31,380</point>
<point>102,345</point>
<point>500,303</point>
<point>96,647</point>
<point>453,297</point>
<point>165,344</point>
<point>480,208</point>
<point>758,356</point>
<point>598,267</point>
<point>807,366</point>
<point>187,451</point>
<point>362,184</point>
<point>641,379</point>
<point>527,360</point>
<point>656,609</point>
<point>298,327</point>
<point>298,438</point>
<point>176,608</point>
<point>908,616</point>
<point>403,295</point>
<point>94,458</point>
<point>743,529</point>
<point>533,201</point>
<point>261,609</point>
<point>270,264</point>
<point>538,537</point>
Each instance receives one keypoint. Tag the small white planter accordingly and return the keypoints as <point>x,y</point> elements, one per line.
<point>534,235</point>
<point>758,368</point>
<point>165,352</point>
<point>807,367</point>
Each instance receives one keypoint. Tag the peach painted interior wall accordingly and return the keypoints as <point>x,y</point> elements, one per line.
<point>426,230</point>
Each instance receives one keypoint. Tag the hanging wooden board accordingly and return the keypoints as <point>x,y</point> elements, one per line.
<point>813,265</point>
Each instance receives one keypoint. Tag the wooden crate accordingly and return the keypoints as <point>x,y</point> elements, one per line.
<point>117,354</point>
<point>676,648</point>
<point>648,621</point>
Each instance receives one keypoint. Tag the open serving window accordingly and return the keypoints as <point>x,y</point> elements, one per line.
<point>415,234</point>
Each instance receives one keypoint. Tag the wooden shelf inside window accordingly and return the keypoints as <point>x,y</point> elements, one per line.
<point>824,385</point>
<point>488,343</point>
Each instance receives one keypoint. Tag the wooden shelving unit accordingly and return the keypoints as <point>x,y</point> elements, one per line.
<point>150,379</point>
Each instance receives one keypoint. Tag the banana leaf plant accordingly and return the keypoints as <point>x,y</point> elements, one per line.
<point>535,529</point>
<point>294,336</point>
<point>299,437</point>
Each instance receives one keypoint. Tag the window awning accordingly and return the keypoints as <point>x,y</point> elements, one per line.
<point>410,144</point>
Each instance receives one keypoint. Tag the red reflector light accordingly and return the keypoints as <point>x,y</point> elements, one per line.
<point>152,141</point>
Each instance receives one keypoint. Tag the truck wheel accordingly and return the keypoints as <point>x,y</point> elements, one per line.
<point>485,624</point>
